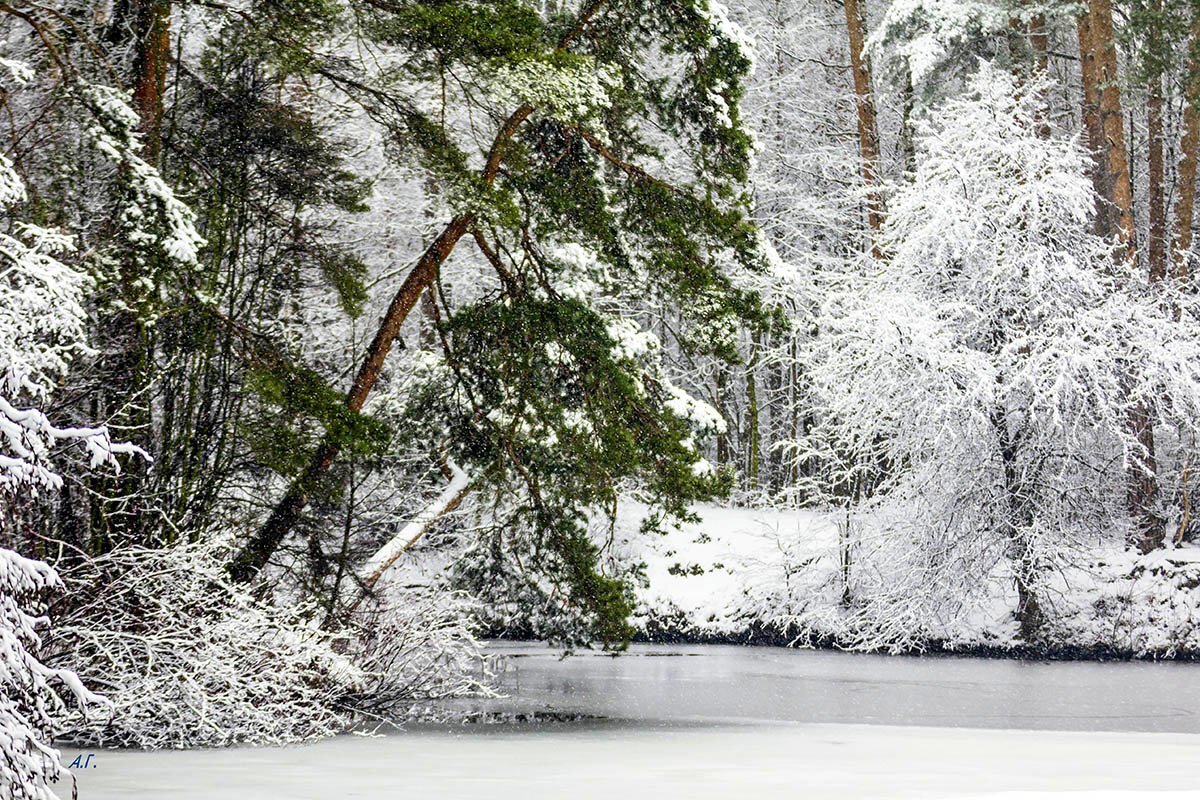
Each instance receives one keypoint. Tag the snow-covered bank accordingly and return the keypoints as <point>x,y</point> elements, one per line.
<point>776,576</point>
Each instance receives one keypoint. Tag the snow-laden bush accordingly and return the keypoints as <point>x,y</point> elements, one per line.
<point>974,390</point>
<point>416,644</point>
<point>190,659</point>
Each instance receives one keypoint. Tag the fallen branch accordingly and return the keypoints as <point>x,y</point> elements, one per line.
<point>398,545</point>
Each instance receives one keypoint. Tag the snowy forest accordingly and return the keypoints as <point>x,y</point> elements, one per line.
<point>338,337</point>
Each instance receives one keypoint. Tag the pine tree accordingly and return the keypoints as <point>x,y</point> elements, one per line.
<point>570,186</point>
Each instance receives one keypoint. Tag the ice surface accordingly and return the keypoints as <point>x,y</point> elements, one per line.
<point>699,722</point>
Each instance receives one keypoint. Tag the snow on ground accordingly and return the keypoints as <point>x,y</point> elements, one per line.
<point>704,575</point>
<point>740,568</point>
<point>792,761</point>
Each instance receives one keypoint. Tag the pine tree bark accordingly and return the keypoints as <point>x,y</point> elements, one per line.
<point>1118,185</point>
<point>1039,40</point>
<point>1090,116</point>
<point>1155,176</point>
<point>868,130</point>
<point>1142,480</point>
<point>152,20</point>
<point>1185,203</point>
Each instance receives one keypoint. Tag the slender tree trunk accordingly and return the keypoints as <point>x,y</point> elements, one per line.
<point>429,335</point>
<point>1039,43</point>
<point>720,390</point>
<point>868,130</point>
<point>1190,149</point>
<point>1157,241</point>
<point>753,442</point>
<point>908,147</point>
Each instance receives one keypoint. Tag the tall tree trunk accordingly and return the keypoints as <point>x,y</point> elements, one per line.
<point>1142,479</point>
<point>152,20</point>
<point>868,130</point>
<point>1157,241</point>
<point>118,510</point>
<point>1118,188</point>
<point>1190,149</point>
<point>1090,116</point>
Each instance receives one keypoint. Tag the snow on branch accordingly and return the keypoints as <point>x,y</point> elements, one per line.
<point>398,545</point>
<point>31,693</point>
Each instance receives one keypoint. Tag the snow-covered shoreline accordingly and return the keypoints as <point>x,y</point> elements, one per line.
<point>772,576</point>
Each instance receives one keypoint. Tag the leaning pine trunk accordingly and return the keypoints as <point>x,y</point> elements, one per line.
<point>255,554</point>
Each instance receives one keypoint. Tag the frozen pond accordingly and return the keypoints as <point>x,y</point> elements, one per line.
<point>730,722</point>
<point>713,684</point>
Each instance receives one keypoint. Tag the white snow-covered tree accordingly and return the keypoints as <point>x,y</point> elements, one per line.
<point>982,375</point>
<point>31,693</point>
<point>42,325</point>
